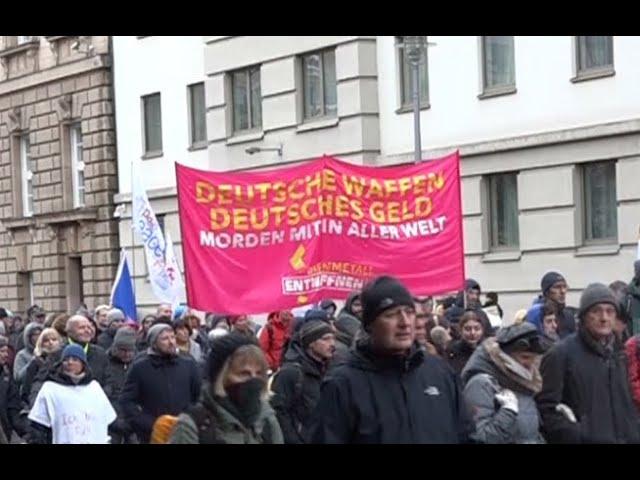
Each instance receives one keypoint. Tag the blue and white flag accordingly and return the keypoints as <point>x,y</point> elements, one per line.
<point>122,294</point>
<point>163,283</point>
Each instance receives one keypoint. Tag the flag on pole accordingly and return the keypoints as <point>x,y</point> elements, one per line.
<point>122,295</point>
<point>148,229</point>
<point>173,273</point>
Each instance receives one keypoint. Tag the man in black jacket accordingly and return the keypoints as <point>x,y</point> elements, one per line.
<point>296,386</point>
<point>554,287</point>
<point>121,356</point>
<point>469,299</point>
<point>79,331</point>
<point>585,395</point>
<point>390,391</point>
<point>159,383</point>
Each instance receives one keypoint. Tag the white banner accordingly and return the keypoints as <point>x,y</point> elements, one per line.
<point>173,273</point>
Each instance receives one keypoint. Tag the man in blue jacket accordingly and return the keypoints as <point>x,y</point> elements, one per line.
<point>159,383</point>
<point>389,390</point>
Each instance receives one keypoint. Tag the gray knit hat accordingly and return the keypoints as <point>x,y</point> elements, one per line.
<point>115,315</point>
<point>312,331</point>
<point>596,293</point>
<point>155,331</point>
<point>125,338</point>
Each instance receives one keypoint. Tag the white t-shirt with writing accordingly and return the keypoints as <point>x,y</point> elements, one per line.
<point>75,413</point>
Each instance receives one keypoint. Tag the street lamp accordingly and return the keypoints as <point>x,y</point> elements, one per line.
<point>253,150</point>
<point>414,46</point>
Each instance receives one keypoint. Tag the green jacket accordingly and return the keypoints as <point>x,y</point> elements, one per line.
<point>228,429</point>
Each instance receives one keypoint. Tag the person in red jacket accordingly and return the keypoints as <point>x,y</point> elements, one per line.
<point>633,362</point>
<point>274,336</point>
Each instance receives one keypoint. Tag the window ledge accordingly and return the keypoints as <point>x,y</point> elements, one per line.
<point>150,155</point>
<point>197,146</point>
<point>593,75</point>
<point>318,124</point>
<point>595,250</point>
<point>24,47</point>
<point>18,222</point>
<point>53,39</point>
<point>505,256</point>
<point>409,108</point>
<point>244,137</point>
<point>497,92</point>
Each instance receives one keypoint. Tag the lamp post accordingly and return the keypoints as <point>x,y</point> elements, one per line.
<point>414,47</point>
<point>254,150</point>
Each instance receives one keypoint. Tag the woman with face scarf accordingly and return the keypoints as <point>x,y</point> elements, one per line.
<point>233,406</point>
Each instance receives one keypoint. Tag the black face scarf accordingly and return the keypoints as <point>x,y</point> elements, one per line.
<point>247,398</point>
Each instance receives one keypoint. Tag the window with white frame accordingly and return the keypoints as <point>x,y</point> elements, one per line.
<point>77,165</point>
<point>247,99</point>
<point>594,54</point>
<point>319,84</point>
<point>152,124</point>
<point>26,170</point>
<point>197,115</point>
<point>498,63</point>
<point>405,72</point>
<point>600,203</point>
<point>503,215</point>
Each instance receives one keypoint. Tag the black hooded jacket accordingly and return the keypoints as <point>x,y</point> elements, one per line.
<point>347,325</point>
<point>375,399</point>
<point>296,389</point>
<point>455,312</point>
<point>458,354</point>
<point>10,405</point>
<point>592,381</point>
<point>158,385</point>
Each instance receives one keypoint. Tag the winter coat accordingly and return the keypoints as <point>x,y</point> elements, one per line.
<point>483,379</point>
<point>273,337</point>
<point>397,399</point>
<point>117,373</point>
<point>633,362</point>
<point>158,385</point>
<point>96,358</point>
<point>566,318</point>
<point>458,354</point>
<point>105,339</point>
<point>296,389</point>
<point>634,303</point>
<point>347,326</point>
<point>227,427</point>
<point>25,355</point>
<point>592,381</point>
<point>10,406</point>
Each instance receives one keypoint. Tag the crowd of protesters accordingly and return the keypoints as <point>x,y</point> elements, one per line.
<point>389,367</point>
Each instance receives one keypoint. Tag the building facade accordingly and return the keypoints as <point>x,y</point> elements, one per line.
<point>159,90</point>
<point>549,134</point>
<point>58,239</point>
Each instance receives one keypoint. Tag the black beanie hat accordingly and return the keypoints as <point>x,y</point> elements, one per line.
<point>382,294</point>
<point>549,279</point>
<point>312,331</point>
<point>596,293</point>
<point>222,348</point>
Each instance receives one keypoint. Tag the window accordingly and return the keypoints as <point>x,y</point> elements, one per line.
<point>160,220</point>
<point>406,76</point>
<point>23,39</point>
<point>319,84</point>
<point>601,216</point>
<point>247,99</point>
<point>503,201</point>
<point>27,168</point>
<point>594,54</point>
<point>498,63</point>
<point>77,165</point>
<point>152,120</point>
<point>25,290</point>
<point>197,116</point>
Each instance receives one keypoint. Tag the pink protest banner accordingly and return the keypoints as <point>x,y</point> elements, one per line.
<point>255,242</point>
